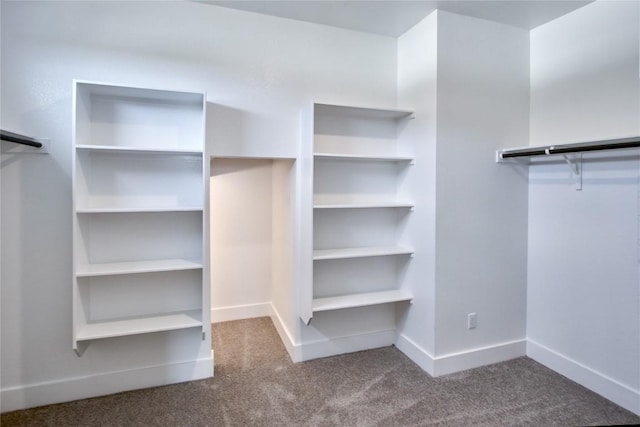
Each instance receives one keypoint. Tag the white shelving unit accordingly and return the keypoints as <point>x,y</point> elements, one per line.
<point>140,221</point>
<point>357,209</point>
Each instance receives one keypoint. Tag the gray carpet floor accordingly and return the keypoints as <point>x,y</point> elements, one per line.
<point>256,384</point>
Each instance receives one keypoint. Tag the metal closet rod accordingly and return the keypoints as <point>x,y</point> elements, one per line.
<point>19,139</point>
<point>611,144</point>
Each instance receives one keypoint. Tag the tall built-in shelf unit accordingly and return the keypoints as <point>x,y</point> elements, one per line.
<point>358,208</point>
<point>140,178</point>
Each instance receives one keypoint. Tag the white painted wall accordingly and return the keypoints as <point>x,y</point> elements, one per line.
<point>481,207</point>
<point>583,299</point>
<point>584,75</point>
<point>469,81</point>
<point>241,238</point>
<point>258,72</point>
<point>417,90</point>
<point>252,241</point>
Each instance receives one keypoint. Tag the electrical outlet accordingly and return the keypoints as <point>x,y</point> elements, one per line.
<point>472,320</point>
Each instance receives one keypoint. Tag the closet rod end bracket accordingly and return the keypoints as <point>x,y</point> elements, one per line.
<point>575,165</point>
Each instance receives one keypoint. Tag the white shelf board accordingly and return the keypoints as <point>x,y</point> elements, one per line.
<point>124,149</point>
<point>363,205</point>
<point>151,94</point>
<point>372,113</point>
<point>140,325</point>
<point>132,267</point>
<point>335,156</point>
<point>362,252</point>
<point>134,210</point>
<point>359,300</point>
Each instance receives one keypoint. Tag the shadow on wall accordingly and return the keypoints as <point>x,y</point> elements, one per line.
<point>266,132</point>
<point>226,129</point>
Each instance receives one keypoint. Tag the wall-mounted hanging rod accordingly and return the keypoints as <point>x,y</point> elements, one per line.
<point>611,144</point>
<point>19,139</point>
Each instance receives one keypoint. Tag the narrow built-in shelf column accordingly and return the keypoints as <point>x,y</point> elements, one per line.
<point>357,207</point>
<point>140,217</point>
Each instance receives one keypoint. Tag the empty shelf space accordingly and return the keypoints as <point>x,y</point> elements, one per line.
<point>377,158</point>
<point>359,300</point>
<point>107,115</point>
<point>140,325</point>
<point>125,149</point>
<point>370,251</point>
<point>132,179</point>
<point>363,205</point>
<point>113,268</point>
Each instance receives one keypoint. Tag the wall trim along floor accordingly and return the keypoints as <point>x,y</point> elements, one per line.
<point>595,381</point>
<point>460,361</point>
<point>239,312</point>
<point>45,393</point>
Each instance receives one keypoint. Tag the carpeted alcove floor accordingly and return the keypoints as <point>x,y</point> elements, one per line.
<point>256,384</point>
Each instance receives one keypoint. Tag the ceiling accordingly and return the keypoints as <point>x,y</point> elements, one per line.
<point>394,17</point>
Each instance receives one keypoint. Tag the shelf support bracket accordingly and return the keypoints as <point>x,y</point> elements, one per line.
<point>80,347</point>
<point>576,169</point>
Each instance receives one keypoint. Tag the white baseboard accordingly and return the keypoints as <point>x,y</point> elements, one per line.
<point>474,358</point>
<point>347,344</point>
<point>238,312</point>
<point>595,381</point>
<point>292,347</point>
<point>47,393</point>
<point>416,353</point>
<point>460,361</point>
